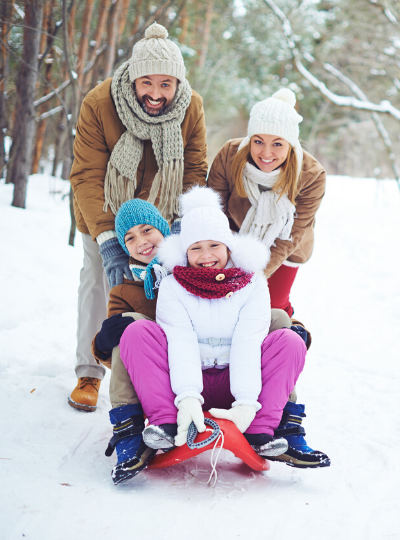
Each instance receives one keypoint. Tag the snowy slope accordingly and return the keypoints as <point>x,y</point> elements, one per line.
<point>54,477</point>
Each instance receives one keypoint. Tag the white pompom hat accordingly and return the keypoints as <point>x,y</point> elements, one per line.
<point>203,219</point>
<point>155,54</point>
<point>277,116</point>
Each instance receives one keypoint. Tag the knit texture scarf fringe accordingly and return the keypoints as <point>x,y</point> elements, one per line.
<point>165,133</point>
<point>202,281</point>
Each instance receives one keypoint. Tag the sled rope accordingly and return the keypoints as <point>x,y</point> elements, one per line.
<point>216,434</point>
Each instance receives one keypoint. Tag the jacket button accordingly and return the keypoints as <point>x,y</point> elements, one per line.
<point>220,277</point>
<point>229,294</point>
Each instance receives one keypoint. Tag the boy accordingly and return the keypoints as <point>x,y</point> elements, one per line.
<point>140,229</point>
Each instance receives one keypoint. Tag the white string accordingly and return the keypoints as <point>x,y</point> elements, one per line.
<point>214,462</point>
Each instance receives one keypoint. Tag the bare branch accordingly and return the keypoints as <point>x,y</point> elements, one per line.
<point>384,106</point>
<point>375,117</point>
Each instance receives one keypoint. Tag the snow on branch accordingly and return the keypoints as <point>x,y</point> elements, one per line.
<point>386,11</point>
<point>342,101</point>
<point>49,113</point>
<point>375,117</point>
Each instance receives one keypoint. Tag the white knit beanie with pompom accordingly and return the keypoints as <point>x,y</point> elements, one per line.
<point>156,55</point>
<point>276,116</point>
<point>203,218</point>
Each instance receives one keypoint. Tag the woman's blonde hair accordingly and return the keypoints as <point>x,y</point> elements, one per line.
<point>287,180</point>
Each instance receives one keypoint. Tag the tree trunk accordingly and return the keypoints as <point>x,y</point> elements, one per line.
<point>123,17</point>
<point>101,24</point>
<point>137,17</point>
<point>25,118</point>
<point>59,146</point>
<point>6,9</point>
<point>112,37</point>
<point>184,25</point>
<point>48,30</point>
<point>206,35</point>
<point>72,229</point>
<point>84,42</point>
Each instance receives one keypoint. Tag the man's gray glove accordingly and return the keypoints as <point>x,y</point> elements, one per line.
<point>115,262</point>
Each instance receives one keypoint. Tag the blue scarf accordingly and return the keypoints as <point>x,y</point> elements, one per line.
<point>144,273</point>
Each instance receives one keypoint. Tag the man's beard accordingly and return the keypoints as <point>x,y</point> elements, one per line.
<point>151,112</point>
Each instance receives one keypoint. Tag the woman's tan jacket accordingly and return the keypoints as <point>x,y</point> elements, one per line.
<point>311,189</point>
<point>97,131</point>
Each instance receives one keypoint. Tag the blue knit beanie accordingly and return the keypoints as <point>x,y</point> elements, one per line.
<point>136,212</point>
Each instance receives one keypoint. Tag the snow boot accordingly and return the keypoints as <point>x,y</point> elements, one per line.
<point>299,454</point>
<point>84,396</point>
<point>266,445</point>
<point>133,454</point>
<point>160,437</point>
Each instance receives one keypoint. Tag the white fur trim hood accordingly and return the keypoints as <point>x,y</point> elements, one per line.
<point>248,253</point>
<point>203,219</point>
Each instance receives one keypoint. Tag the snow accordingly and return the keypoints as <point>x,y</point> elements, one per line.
<point>55,478</point>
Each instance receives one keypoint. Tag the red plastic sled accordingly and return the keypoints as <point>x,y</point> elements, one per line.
<point>233,441</point>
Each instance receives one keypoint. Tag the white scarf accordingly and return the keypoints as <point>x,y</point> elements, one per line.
<point>268,218</point>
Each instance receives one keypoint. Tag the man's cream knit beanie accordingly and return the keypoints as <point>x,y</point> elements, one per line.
<point>156,55</point>
<point>276,116</point>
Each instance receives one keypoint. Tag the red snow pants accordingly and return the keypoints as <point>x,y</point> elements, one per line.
<point>280,285</point>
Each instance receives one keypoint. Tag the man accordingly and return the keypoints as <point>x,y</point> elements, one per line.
<point>141,135</point>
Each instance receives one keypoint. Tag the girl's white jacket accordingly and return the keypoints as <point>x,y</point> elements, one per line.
<point>204,333</point>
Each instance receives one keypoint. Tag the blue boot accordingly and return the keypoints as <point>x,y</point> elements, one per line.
<point>133,454</point>
<point>299,454</point>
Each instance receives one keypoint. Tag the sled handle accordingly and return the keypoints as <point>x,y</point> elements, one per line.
<point>192,434</point>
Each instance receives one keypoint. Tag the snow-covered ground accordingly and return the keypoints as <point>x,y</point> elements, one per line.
<point>54,477</point>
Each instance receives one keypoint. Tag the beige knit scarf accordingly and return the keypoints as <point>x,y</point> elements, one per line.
<point>165,134</point>
<point>270,216</point>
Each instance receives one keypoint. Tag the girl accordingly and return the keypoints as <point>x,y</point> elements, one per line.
<point>272,189</point>
<point>210,349</point>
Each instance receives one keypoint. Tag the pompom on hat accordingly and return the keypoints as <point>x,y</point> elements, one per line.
<point>277,116</point>
<point>137,212</point>
<point>155,54</point>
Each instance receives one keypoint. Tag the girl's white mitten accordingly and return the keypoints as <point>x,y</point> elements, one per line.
<point>189,410</point>
<point>241,415</point>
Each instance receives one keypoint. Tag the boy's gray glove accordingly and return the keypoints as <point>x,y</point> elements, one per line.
<point>115,262</point>
<point>176,226</point>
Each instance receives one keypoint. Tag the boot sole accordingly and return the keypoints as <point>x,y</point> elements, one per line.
<point>157,439</point>
<point>301,464</point>
<point>81,406</point>
<point>129,469</point>
<point>273,448</point>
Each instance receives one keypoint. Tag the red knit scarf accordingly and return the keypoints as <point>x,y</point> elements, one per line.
<point>203,282</point>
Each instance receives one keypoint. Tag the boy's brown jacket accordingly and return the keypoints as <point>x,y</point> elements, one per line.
<point>311,189</point>
<point>129,296</point>
<point>97,131</point>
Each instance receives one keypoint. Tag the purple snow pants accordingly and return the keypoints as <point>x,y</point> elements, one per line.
<point>144,352</point>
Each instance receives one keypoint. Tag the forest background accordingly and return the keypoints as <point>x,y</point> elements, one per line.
<point>340,57</point>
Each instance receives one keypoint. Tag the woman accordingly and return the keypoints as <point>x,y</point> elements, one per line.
<point>272,189</point>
